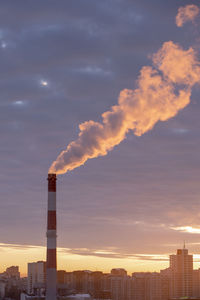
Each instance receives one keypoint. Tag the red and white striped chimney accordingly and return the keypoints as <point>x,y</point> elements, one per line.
<point>51,272</point>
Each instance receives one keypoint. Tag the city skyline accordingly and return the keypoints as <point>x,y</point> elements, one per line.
<point>180,280</point>
<point>73,262</point>
<point>65,64</point>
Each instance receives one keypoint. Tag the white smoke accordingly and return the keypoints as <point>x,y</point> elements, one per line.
<point>138,110</point>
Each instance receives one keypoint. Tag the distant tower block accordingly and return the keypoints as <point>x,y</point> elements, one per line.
<point>51,276</point>
<point>181,270</point>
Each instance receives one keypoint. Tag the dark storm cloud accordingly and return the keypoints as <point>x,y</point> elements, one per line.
<point>88,51</point>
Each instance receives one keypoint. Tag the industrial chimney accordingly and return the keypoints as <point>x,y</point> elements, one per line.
<point>51,272</point>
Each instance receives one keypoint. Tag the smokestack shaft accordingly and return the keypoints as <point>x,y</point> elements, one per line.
<point>51,272</point>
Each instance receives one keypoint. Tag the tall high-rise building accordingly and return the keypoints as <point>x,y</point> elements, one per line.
<point>36,276</point>
<point>181,269</point>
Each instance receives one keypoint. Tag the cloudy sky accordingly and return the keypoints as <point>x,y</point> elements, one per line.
<point>63,63</point>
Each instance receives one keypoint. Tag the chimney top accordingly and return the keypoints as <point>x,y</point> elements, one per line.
<point>51,182</point>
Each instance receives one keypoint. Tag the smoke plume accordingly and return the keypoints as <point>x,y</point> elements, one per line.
<point>186,13</point>
<point>161,92</point>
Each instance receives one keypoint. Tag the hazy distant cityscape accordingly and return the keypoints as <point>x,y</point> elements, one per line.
<point>175,282</point>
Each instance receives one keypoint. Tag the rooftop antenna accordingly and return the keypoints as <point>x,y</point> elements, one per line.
<point>184,244</point>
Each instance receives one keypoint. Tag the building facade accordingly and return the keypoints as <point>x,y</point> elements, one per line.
<point>13,272</point>
<point>36,276</point>
<point>181,274</point>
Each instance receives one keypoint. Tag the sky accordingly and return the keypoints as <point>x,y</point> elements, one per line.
<point>64,63</point>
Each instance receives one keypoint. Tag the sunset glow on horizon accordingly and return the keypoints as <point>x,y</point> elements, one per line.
<point>70,261</point>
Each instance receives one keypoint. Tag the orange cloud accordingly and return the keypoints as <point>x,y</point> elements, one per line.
<point>186,13</point>
<point>187,229</point>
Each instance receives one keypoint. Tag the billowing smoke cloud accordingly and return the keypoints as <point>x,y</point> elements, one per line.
<point>161,92</point>
<point>186,13</point>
